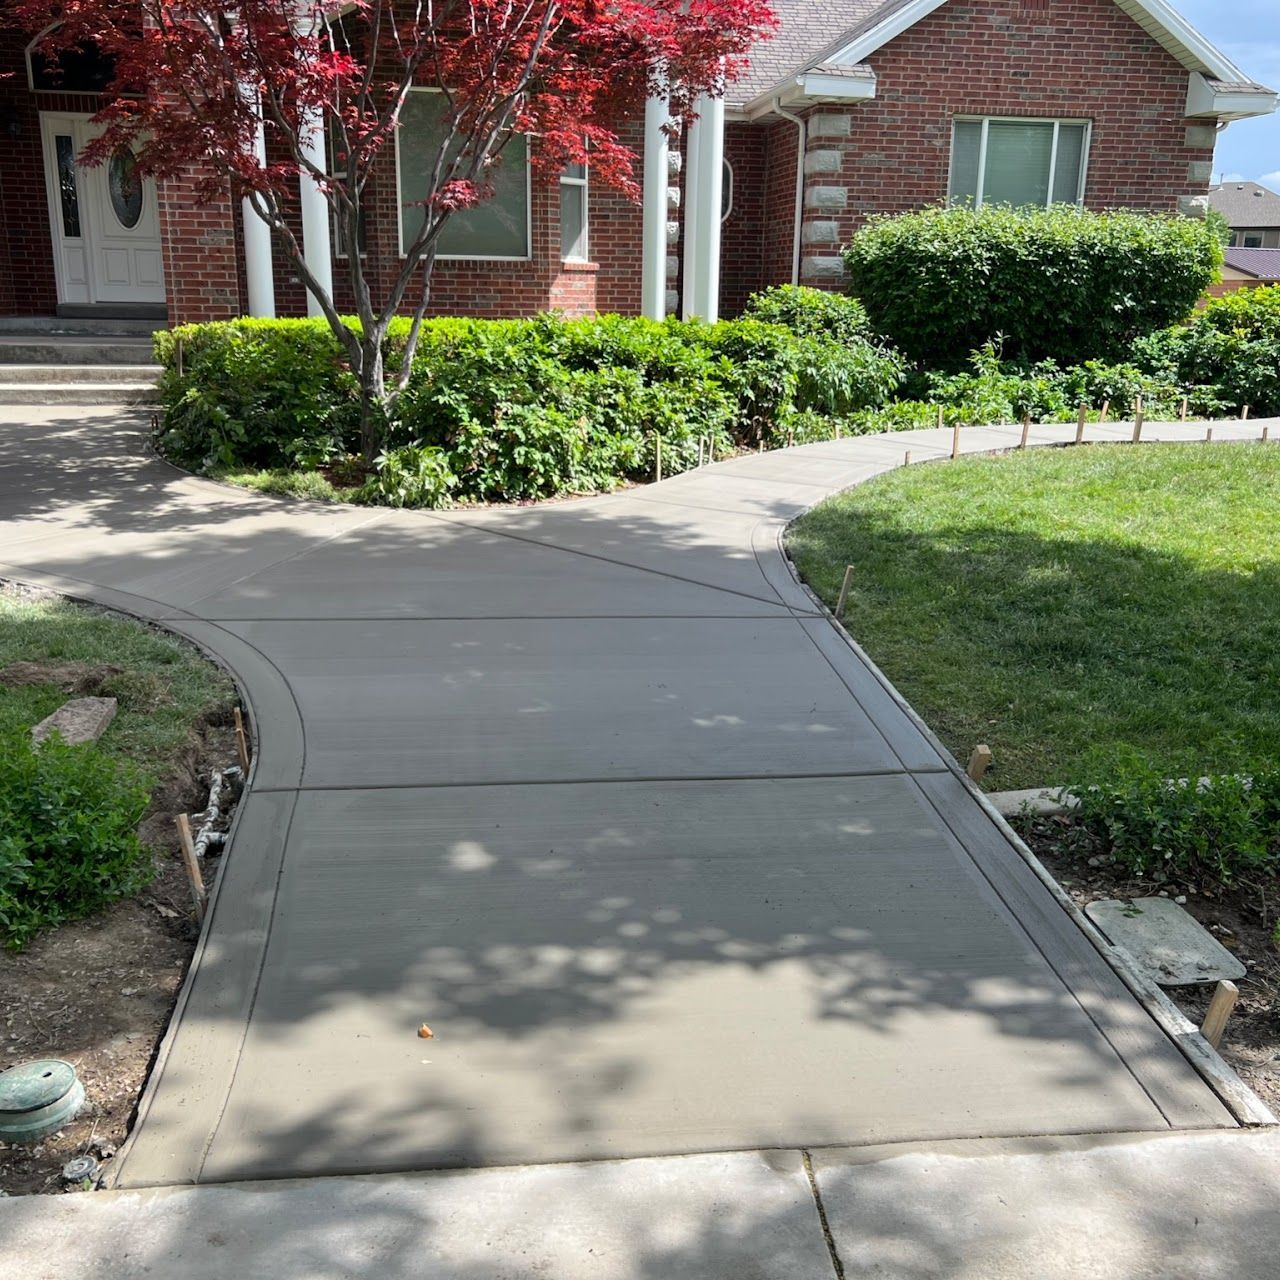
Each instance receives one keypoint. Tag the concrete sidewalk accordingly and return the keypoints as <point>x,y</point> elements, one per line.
<point>1132,1207</point>
<point>597,791</point>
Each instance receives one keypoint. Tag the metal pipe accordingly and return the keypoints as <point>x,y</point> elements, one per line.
<point>802,141</point>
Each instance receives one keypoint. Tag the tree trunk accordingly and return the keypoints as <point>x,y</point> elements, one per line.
<point>374,401</point>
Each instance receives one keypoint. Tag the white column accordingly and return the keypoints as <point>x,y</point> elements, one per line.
<point>691,202</point>
<point>317,248</point>
<point>702,221</point>
<point>653,287</point>
<point>258,266</point>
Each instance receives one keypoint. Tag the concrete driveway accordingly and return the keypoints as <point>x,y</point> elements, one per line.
<point>596,791</point>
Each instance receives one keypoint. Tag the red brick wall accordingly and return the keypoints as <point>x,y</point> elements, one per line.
<point>1072,58</point>
<point>742,232</point>
<point>779,205</point>
<point>203,254</point>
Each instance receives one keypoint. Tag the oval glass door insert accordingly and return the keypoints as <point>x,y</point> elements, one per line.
<point>125,187</point>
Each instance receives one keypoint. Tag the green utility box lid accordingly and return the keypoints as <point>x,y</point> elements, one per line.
<point>38,1098</point>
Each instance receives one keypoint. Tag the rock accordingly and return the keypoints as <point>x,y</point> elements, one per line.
<point>77,721</point>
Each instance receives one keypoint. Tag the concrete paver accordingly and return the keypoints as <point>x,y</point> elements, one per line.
<point>666,861</point>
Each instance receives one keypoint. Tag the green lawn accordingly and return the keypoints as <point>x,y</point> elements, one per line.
<point>165,688</point>
<point>1063,601</point>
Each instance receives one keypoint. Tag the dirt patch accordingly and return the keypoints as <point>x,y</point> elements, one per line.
<point>80,678</point>
<point>99,992</point>
<point>1241,915</point>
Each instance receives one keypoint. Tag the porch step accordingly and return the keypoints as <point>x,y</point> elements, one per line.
<point>45,393</point>
<point>79,373</point>
<point>75,350</point>
<point>80,326</point>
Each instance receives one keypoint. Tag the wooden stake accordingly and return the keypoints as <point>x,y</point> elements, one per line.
<point>192,863</point>
<point>837,429</point>
<point>1266,431</point>
<point>791,437</point>
<point>1208,435</point>
<point>1102,417</point>
<point>657,459</point>
<point>906,458</point>
<point>1026,430</point>
<point>242,742</point>
<point>1081,418</point>
<point>941,420</point>
<point>955,439</point>
<point>1244,414</point>
<point>1182,416</point>
<point>979,762</point>
<point>178,354</point>
<point>1137,420</point>
<point>844,591</point>
<point>1225,995</point>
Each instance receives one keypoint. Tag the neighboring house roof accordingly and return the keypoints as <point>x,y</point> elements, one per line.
<point>1262,264</point>
<point>836,36</point>
<point>1246,204</point>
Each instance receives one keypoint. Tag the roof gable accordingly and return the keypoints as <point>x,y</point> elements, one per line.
<point>1246,204</point>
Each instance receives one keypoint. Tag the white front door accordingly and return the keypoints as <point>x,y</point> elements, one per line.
<point>105,220</point>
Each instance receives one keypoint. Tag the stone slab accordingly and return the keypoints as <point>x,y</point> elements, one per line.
<point>629,970</point>
<point>1172,1207</point>
<point>1168,944</point>
<point>747,1216</point>
<point>78,721</point>
<point>1043,801</point>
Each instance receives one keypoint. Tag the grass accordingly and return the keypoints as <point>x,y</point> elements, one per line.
<point>1064,604</point>
<point>314,486</point>
<point>165,687</point>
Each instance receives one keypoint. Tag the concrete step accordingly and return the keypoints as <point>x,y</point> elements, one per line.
<point>73,350</point>
<point>82,373</point>
<point>37,393</point>
<point>84,326</point>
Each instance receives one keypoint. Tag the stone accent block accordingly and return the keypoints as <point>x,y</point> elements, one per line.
<point>675,161</point>
<point>77,721</point>
<point>673,233</point>
<point>673,266</point>
<point>823,161</point>
<point>672,302</point>
<point>1193,206</point>
<point>1201,135</point>
<point>673,199</point>
<point>1199,170</point>
<point>826,198</point>
<point>820,231</point>
<point>827,124</point>
<point>822,267</point>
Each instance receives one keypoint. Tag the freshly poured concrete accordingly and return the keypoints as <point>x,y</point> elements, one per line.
<point>596,791</point>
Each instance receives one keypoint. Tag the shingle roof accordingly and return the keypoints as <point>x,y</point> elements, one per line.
<point>1262,263</point>
<point>1246,204</point>
<point>807,30</point>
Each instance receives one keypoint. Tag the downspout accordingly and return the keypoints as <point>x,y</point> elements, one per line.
<point>802,141</point>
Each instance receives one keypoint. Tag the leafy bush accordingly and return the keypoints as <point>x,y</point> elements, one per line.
<point>68,834</point>
<point>1228,355</point>
<point>1225,825</point>
<point>509,409</point>
<point>812,313</point>
<point>1057,283</point>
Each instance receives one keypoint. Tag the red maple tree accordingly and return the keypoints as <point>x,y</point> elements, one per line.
<point>195,81</point>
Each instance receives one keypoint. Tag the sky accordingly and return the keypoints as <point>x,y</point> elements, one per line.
<point>1248,32</point>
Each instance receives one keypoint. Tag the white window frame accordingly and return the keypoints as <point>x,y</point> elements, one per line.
<point>468,257</point>
<point>726,186</point>
<point>986,121</point>
<point>567,180</point>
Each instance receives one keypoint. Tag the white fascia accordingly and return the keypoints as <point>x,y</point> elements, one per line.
<point>1204,102</point>
<point>810,87</point>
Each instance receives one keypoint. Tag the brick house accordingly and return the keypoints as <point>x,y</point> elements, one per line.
<point>856,107</point>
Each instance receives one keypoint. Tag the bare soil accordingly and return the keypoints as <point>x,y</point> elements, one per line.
<point>99,992</point>
<point>1241,915</point>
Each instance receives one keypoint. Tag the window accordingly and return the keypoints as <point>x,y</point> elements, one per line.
<point>83,69</point>
<point>1018,162</point>
<point>573,214</point>
<point>726,191</point>
<point>340,249</point>
<point>1253,240</point>
<point>497,228</point>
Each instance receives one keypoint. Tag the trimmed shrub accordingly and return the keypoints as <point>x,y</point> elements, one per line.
<point>1228,355</point>
<point>68,834</point>
<point>1223,826</point>
<point>1058,283</point>
<point>508,409</point>
<point>812,313</point>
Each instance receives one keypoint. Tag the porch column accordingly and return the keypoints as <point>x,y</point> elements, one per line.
<point>702,211</point>
<point>258,266</point>
<point>317,248</point>
<point>653,286</point>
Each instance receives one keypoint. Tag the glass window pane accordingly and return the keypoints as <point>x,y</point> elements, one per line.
<point>575,171</point>
<point>498,228</point>
<point>67,190</point>
<point>573,222</point>
<point>1066,176</point>
<point>966,143</point>
<point>1017,163</point>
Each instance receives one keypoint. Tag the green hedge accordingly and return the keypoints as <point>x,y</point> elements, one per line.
<point>1058,283</point>
<point>1228,355</point>
<point>68,834</point>
<point>508,409</point>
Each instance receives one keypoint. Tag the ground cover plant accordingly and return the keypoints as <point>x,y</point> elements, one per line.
<point>1061,603</point>
<point>69,815</point>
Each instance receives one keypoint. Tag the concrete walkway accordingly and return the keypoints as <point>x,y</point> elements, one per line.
<point>597,791</point>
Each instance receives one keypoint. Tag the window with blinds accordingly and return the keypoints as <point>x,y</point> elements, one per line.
<point>1018,162</point>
